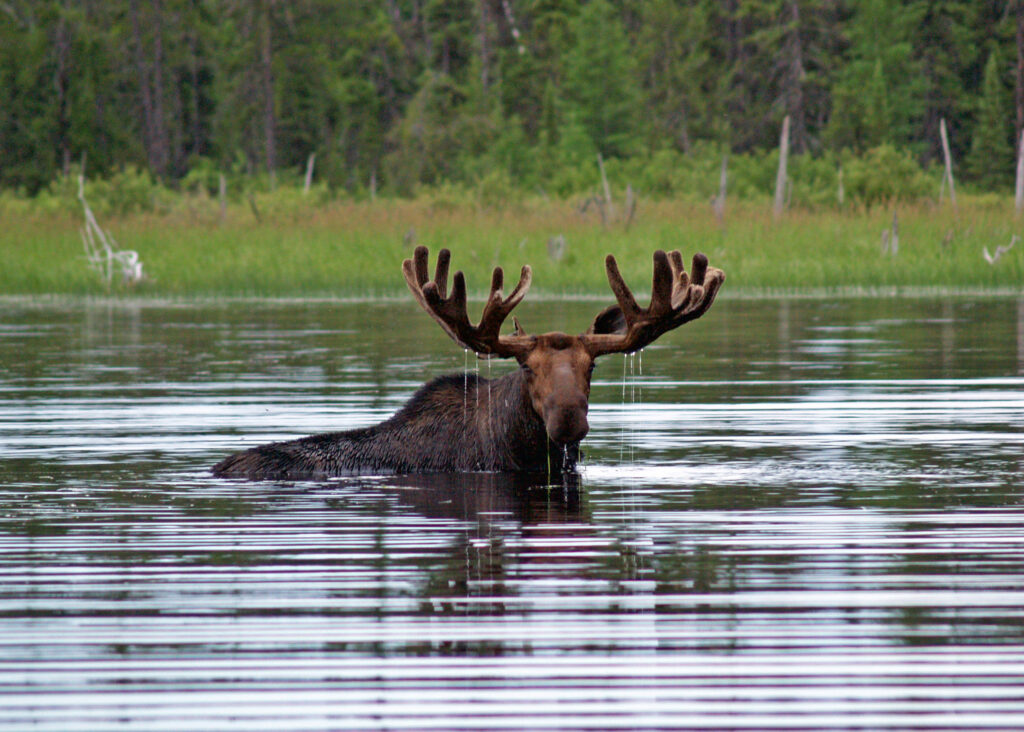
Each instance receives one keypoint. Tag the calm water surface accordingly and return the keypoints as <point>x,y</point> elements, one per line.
<point>793,514</point>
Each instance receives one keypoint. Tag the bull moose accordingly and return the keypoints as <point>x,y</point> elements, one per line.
<point>529,420</point>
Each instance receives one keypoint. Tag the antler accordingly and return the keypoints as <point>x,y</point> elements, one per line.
<point>676,298</point>
<point>450,310</point>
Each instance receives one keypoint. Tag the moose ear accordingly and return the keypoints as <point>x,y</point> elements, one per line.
<point>609,321</point>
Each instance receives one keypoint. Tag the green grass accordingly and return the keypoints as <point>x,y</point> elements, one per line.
<point>354,249</point>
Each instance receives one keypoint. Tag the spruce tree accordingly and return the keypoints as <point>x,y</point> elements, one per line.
<point>674,64</point>
<point>990,162</point>
<point>878,93</point>
<point>601,81</point>
<point>877,118</point>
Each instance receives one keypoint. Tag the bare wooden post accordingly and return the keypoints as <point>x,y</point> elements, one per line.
<point>723,179</point>
<point>557,246</point>
<point>373,186</point>
<point>309,173</point>
<point>1018,197</point>
<point>222,195</point>
<point>840,190</point>
<point>1018,81</point>
<point>607,189</point>
<point>891,237</point>
<point>630,204</point>
<point>949,161</point>
<point>780,178</point>
<point>255,209</point>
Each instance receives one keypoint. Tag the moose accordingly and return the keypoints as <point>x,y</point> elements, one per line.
<point>529,420</point>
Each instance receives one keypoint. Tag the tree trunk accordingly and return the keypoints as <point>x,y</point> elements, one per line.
<point>150,75</point>
<point>723,179</point>
<point>794,80</point>
<point>161,146</point>
<point>145,93</point>
<point>1018,189</point>
<point>1019,77</point>
<point>516,36</point>
<point>196,131</point>
<point>607,189</point>
<point>269,118</point>
<point>308,182</point>
<point>947,156</point>
<point>782,175</point>
<point>61,83</point>
<point>485,50</point>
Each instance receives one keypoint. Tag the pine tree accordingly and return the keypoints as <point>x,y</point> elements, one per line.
<point>878,93</point>
<point>945,47</point>
<point>877,118</point>
<point>601,81</point>
<point>990,162</point>
<point>531,65</point>
<point>674,61</point>
<point>448,90</point>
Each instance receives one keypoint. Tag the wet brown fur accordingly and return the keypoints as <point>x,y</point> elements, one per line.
<point>455,423</point>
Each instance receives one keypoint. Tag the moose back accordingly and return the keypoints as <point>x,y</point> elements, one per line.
<point>530,420</point>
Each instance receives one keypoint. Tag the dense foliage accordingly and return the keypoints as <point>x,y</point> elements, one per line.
<point>506,95</point>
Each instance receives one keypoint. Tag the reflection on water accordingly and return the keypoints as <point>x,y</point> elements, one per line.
<point>796,514</point>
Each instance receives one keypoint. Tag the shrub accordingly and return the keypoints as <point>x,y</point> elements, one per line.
<point>885,173</point>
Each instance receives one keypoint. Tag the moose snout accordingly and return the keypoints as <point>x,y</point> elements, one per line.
<point>566,424</point>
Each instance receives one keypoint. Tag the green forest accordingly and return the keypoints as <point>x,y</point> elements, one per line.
<point>395,96</point>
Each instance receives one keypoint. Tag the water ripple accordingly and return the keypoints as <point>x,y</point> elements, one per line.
<point>745,548</point>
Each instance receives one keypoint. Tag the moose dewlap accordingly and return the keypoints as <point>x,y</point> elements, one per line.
<point>530,420</point>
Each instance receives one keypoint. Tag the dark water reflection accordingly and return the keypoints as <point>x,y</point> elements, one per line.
<point>793,514</point>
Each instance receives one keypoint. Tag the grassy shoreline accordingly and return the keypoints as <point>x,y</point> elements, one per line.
<point>353,250</point>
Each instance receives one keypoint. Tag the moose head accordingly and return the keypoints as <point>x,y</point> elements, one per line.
<point>557,366</point>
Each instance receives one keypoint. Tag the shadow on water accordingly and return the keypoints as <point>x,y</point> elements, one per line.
<point>796,510</point>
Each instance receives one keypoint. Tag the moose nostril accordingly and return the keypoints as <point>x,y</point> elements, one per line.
<point>582,429</point>
<point>567,426</point>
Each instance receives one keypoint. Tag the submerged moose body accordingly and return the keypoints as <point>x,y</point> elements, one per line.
<point>530,420</point>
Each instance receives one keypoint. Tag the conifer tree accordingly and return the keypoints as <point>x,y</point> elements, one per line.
<point>674,64</point>
<point>990,162</point>
<point>600,80</point>
<point>878,90</point>
<point>406,92</point>
<point>877,119</point>
<point>945,47</point>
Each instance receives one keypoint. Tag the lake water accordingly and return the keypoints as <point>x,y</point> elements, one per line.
<point>796,514</point>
